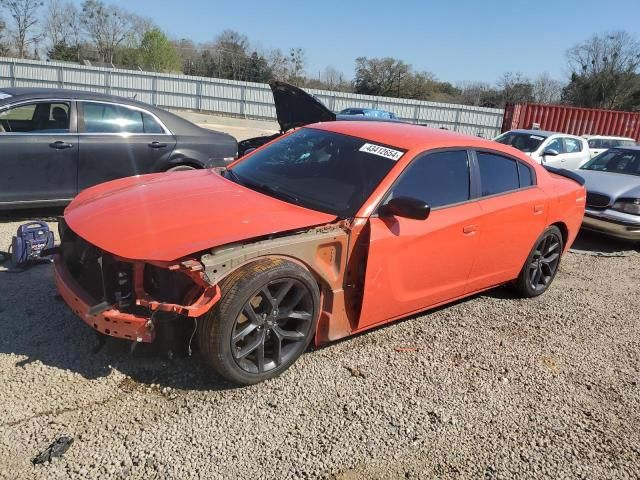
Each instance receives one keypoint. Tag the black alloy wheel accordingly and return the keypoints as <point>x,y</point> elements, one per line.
<point>265,319</point>
<point>541,265</point>
<point>271,325</point>
<point>544,262</point>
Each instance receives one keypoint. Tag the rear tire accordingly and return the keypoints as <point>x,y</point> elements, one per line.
<point>264,321</point>
<point>541,265</point>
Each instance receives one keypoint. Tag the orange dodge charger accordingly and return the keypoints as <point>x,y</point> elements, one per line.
<point>327,231</point>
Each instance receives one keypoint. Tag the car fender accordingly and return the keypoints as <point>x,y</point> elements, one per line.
<point>181,156</point>
<point>322,251</point>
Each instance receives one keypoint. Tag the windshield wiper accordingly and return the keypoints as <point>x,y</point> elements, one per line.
<point>233,176</point>
<point>273,191</point>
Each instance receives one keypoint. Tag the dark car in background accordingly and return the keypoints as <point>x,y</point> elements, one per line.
<point>55,143</point>
<point>369,112</point>
<point>297,108</point>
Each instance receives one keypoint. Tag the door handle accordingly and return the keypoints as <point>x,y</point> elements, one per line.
<point>469,229</point>
<point>60,145</point>
<point>538,209</point>
<point>157,145</point>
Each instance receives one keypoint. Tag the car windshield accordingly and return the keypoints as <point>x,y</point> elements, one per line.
<point>526,142</point>
<point>324,171</point>
<point>616,161</point>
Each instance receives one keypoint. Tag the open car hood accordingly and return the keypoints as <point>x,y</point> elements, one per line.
<point>296,108</point>
<point>167,216</point>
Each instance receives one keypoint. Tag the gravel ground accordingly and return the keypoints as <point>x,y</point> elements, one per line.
<point>492,387</point>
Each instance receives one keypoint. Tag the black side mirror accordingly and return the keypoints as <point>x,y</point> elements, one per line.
<point>405,207</point>
<point>550,152</point>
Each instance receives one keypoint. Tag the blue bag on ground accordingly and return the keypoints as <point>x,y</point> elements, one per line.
<point>30,240</point>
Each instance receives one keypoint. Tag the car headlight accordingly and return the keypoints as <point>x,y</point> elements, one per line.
<point>627,205</point>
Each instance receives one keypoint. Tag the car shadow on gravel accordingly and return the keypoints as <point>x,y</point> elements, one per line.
<point>597,244</point>
<point>37,326</point>
<point>42,214</point>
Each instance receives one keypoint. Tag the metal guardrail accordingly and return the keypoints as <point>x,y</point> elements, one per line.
<point>244,99</point>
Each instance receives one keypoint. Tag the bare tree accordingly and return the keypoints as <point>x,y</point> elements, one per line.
<point>332,79</point>
<point>277,62</point>
<point>107,26</point>
<point>547,89</point>
<point>24,16</point>
<point>61,22</point>
<point>604,71</point>
<point>296,63</point>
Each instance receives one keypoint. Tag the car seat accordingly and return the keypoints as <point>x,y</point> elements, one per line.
<point>60,118</point>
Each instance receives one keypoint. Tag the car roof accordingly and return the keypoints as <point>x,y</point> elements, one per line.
<point>407,136</point>
<point>541,133</point>
<point>613,137</point>
<point>634,148</point>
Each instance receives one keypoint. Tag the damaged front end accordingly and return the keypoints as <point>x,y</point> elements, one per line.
<point>123,298</point>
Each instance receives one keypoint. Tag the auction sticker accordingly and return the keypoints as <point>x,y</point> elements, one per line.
<point>381,151</point>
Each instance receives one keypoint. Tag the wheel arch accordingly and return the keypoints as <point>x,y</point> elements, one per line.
<point>564,230</point>
<point>333,322</point>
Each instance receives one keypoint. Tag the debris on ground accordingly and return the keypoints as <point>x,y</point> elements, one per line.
<point>55,450</point>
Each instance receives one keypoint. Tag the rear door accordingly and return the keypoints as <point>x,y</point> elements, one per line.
<point>513,215</point>
<point>119,141</point>
<point>576,152</point>
<point>414,264</point>
<point>38,152</point>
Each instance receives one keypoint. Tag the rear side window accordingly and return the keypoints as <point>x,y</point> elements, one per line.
<point>572,145</point>
<point>525,175</point>
<point>150,124</point>
<point>109,118</point>
<point>438,179</point>
<point>498,174</point>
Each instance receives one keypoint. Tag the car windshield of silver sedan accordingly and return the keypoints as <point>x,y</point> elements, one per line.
<point>616,161</point>
<point>525,142</point>
<point>324,171</point>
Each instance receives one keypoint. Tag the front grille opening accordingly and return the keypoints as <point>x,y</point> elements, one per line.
<point>97,272</point>
<point>597,200</point>
<point>168,286</point>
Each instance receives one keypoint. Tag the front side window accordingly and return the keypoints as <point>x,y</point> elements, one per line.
<point>557,145</point>
<point>39,117</point>
<point>616,161</point>
<point>324,171</point>
<point>438,179</point>
<point>110,118</point>
<point>498,174</point>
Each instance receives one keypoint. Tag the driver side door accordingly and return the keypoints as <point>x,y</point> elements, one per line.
<point>415,264</point>
<point>38,153</point>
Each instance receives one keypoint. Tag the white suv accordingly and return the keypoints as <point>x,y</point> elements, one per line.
<point>601,143</point>
<point>558,150</point>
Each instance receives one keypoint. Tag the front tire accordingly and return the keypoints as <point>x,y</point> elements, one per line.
<point>264,321</point>
<point>541,265</point>
<point>181,168</point>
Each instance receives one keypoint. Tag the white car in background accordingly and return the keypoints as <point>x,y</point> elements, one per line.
<point>558,150</point>
<point>600,143</point>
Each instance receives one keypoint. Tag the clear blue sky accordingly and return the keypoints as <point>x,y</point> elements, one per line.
<point>454,39</point>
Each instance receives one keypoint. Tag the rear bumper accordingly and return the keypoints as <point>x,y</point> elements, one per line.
<point>110,322</point>
<point>613,227</point>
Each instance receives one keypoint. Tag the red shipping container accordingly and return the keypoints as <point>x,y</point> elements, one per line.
<point>572,120</point>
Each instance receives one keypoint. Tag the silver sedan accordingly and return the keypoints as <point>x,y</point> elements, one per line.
<point>612,180</point>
